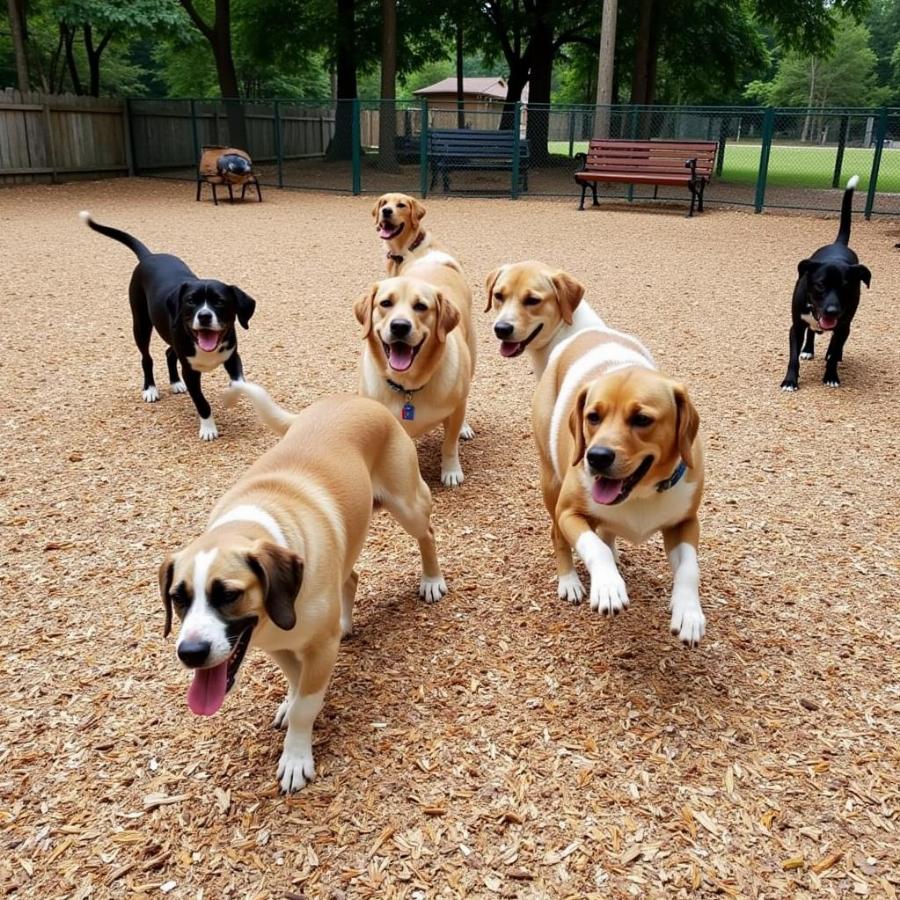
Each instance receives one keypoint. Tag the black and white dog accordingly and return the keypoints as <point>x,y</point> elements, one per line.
<point>826,297</point>
<point>194,316</point>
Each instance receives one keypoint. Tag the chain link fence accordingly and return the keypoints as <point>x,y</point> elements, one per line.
<point>776,158</point>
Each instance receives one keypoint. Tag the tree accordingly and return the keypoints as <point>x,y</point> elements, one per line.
<point>387,117</point>
<point>606,68</point>
<point>18,32</point>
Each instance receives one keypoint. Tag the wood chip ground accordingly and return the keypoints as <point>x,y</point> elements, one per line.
<point>500,743</point>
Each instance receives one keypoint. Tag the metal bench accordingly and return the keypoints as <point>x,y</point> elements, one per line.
<point>469,150</point>
<point>688,163</point>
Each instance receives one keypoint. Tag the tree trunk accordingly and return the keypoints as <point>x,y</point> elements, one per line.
<point>642,52</point>
<point>539,86</point>
<point>68,39</point>
<point>17,30</point>
<point>518,78</point>
<point>341,146</point>
<point>807,122</point>
<point>460,84</point>
<point>93,57</point>
<point>606,69</point>
<point>387,118</point>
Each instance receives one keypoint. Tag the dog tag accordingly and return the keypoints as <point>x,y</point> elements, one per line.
<point>408,412</point>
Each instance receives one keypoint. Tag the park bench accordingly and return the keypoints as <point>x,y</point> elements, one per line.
<point>688,163</point>
<point>469,150</point>
<point>215,167</point>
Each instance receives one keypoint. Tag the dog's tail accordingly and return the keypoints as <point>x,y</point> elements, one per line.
<point>843,236</point>
<point>132,243</point>
<point>277,418</point>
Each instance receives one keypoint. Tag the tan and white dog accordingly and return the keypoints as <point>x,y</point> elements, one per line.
<point>537,309</point>
<point>398,223</point>
<point>419,355</point>
<point>620,455</point>
<point>275,567</point>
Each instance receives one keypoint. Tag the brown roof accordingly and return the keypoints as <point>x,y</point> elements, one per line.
<point>492,88</point>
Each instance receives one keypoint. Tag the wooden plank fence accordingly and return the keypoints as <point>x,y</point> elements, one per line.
<point>61,137</point>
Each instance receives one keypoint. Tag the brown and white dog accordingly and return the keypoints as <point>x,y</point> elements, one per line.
<point>397,222</point>
<point>538,307</point>
<point>620,455</point>
<point>419,356</point>
<point>275,567</point>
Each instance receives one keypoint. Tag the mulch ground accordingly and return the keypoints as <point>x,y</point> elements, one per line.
<point>500,743</point>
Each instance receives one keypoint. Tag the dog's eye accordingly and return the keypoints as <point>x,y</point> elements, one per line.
<point>419,307</point>
<point>220,595</point>
<point>639,420</point>
<point>401,206</point>
<point>180,599</point>
<point>386,304</point>
<point>532,301</point>
<point>593,417</point>
<point>498,296</point>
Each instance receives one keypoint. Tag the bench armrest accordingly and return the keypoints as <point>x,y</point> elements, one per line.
<point>692,165</point>
<point>582,157</point>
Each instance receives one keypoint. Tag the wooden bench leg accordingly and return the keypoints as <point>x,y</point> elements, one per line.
<point>230,193</point>
<point>215,196</point>
<point>243,191</point>
<point>199,186</point>
<point>655,191</point>
<point>258,191</point>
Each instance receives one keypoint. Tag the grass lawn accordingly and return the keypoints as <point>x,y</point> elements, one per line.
<point>792,166</point>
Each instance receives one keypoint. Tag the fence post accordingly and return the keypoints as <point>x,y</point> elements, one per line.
<point>423,148</point>
<point>842,142</point>
<point>128,136</point>
<point>723,137</point>
<point>517,137</point>
<point>279,151</point>
<point>571,133</point>
<point>194,135</point>
<point>632,133</point>
<point>763,174</point>
<point>357,163</point>
<point>880,134</point>
<point>51,147</point>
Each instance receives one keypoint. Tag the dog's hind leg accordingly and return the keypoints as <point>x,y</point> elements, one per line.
<point>208,430</point>
<point>175,383</point>
<point>142,329</point>
<point>348,596</point>
<point>809,345</point>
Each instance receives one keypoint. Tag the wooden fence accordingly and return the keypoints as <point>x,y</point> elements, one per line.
<point>61,137</point>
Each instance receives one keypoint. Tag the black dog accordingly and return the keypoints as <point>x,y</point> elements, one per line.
<point>194,316</point>
<point>826,297</point>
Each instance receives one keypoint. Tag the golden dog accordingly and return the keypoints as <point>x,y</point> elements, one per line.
<point>620,454</point>
<point>397,218</point>
<point>537,309</point>
<point>275,567</point>
<point>419,356</point>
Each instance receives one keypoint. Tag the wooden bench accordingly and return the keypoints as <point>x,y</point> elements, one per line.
<point>469,150</point>
<point>212,172</point>
<point>688,163</point>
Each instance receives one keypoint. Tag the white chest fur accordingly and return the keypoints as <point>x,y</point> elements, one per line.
<point>207,360</point>
<point>810,320</point>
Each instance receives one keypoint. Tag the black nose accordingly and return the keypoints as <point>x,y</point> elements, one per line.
<point>204,318</point>
<point>600,458</point>
<point>193,653</point>
<point>386,212</point>
<point>503,330</point>
<point>401,327</point>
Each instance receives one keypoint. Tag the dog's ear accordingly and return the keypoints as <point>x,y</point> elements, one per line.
<point>418,212</point>
<point>576,426</point>
<point>569,292</point>
<point>280,572</point>
<point>687,424</point>
<point>175,301</point>
<point>489,283</point>
<point>807,265</point>
<point>166,572</point>
<point>378,204</point>
<point>861,273</point>
<point>447,316</point>
<point>244,304</point>
<point>362,309</point>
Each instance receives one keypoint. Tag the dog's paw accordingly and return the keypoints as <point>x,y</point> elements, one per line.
<point>280,720</point>
<point>833,382</point>
<point>178,387</point>
<point>208,430</point>
<point>150,394</point>
<point>789,386</point>
<point>467,432</point>
<point>608,593</point>
<point>570,588</point>
<point>295,770</point>
<point>807,355</point>
<point>452,475</point>
<point>432,589</point>
<point>688,621</point>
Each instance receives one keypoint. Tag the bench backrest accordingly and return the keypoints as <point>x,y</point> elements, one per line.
<point>481,143</point>
<point>656,157</point>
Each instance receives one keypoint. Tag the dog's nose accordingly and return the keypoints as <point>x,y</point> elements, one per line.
<point>503,330</point>
<point>401,327</point>
<point>601,458</point>
<point>193,653</point>
<point>204,318</point>
<point>386,212</point>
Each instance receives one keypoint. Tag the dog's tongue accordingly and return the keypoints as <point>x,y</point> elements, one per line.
<point>207,691</point>
<point>510,348</point>
<point>385,232</point>
<point>207,339</point>
<point>828,322</point>
<point>606,490</point>
<point>401,357</point>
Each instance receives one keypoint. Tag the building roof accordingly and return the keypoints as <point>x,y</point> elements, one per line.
<point>489,88</point>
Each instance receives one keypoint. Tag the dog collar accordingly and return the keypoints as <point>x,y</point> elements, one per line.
<point>673,479</point>
<point>398,257</point>
<point>407,392</point>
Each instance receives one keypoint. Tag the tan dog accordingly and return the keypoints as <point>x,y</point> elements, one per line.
<point>419,356</point>
<point>619,454</point>
<point>274,568</point>
<point>397,221</point>
<point>537,309</point>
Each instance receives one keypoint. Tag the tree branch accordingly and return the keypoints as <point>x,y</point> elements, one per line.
<point>205,30</point>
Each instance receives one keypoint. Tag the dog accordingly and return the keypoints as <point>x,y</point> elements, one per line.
<point>419,355</point>
<point>619,453</point>
<point>194,316</point>
<point>397,218</point>
<point>275,567</point>
<point>826,297</point>
<point>537,309</point>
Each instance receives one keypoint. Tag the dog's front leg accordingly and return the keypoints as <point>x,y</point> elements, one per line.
<point>208,430</point>
<point>608,593</point>
<point>234,367</point>
<point>809,345</point>
<point>688,621</point>
<point>289,663</point>
<point>795,338</point>
<point>451,470</point>
<point>835,355</point>
<point>297,768</point>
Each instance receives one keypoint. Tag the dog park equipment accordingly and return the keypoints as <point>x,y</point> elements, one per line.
<point>228,166</point>
<point>688,163</point>
<point>463,149</point>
